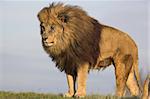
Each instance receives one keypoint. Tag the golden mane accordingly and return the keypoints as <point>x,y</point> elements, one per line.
<point>81,36</point>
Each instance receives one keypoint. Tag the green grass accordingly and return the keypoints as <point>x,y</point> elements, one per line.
<point>31,95</point>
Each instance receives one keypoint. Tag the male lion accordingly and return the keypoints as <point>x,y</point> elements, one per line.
<point>77,43</point>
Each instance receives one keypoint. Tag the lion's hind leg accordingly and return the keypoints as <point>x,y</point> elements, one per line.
<point>123,66</point>
<point>120,81</point>
<point>132,84</point>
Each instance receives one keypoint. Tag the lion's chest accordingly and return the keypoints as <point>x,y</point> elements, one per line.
<point>65,62</point>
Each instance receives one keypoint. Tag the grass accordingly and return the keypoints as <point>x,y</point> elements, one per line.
<point>31,95</point>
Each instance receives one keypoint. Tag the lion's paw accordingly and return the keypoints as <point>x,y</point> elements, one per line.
<point>68,95</point>
<point>79,95</point>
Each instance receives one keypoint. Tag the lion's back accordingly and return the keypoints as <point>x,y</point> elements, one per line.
<point>113,39</point>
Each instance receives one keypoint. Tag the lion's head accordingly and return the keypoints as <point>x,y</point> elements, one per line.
<point>69,35</point>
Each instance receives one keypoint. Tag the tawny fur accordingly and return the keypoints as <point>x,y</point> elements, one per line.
<point>81,43</point>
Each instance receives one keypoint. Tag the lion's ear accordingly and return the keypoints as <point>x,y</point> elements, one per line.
<point>63,17</point>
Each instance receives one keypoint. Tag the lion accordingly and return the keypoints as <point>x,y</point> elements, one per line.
<point>77,43</point>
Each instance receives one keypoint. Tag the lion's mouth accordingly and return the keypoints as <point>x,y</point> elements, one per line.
<point>49,44</point>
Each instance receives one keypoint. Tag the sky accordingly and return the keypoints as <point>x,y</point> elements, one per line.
<point>24,66</point>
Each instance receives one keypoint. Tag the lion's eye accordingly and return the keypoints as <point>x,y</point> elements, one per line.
<point>52,28</point>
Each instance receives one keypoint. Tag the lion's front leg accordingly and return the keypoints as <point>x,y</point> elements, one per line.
<point>71,79</point>
<point>82,73</point>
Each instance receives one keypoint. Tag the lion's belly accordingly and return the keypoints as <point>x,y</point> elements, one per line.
<point>105,62</point>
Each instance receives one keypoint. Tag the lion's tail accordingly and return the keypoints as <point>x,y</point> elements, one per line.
<point>146,88</point>
<point>137,75</point>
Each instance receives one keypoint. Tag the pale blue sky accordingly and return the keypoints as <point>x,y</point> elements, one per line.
<point>24,66</point>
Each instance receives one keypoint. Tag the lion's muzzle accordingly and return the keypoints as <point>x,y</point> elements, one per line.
<point>47,43</point>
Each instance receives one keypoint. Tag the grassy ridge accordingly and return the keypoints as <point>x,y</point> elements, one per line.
<point>31,95</point>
